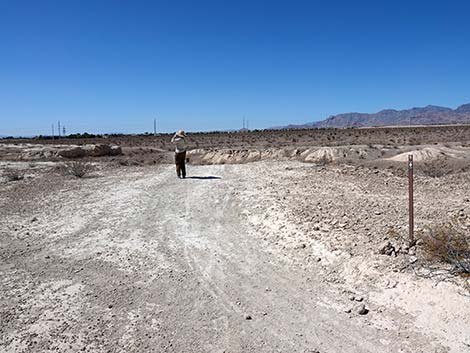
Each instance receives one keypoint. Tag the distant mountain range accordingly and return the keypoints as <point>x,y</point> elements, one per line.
<point>429,115</point>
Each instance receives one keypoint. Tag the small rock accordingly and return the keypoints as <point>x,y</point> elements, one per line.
<point>34,219</point>
<point>386,248</point>
<point>391,284</point>
<point>248,317</point>
<point>351,297</point>
<point>359,299</point>
<point>361,309</point>
<point>413,259</point>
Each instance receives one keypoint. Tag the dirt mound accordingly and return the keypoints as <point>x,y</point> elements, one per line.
<point>227,156</point>
<point>310,155</point>
<point>431,153</point>
<point>44,152</point>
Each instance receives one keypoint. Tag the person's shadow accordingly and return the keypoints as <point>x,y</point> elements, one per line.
<point>210,177</point>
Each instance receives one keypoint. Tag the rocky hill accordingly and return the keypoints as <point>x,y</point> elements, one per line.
<point>429,115</point>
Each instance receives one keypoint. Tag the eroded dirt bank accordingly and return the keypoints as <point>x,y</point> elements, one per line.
<point>263,257</point>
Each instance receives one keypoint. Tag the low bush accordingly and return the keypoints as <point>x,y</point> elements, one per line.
<point>13,174</point>
<point>323,160</point>
<point>435,168</point>
<point>443,166</point>
<point>77,168</point>
<point>448,243</point>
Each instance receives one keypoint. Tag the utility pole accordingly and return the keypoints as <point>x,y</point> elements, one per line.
<point>58,128</point>
<point>243,122</point>
<point>247,124</point>
<point>52,131</point>
<point>155,127</point>
<point>63,130</point>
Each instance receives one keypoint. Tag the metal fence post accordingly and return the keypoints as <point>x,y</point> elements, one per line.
<point>410,199</point>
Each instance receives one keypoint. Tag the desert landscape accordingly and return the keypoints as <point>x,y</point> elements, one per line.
<point>278,241</point>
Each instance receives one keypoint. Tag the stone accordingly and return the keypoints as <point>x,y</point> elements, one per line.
<point>361,309</point>
<point>386,248</point>
<point>248,317</point>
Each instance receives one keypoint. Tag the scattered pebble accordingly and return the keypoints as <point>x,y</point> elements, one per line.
<point>361,309</point>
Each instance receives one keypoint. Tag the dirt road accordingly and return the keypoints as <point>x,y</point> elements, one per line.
<point>139,261</point>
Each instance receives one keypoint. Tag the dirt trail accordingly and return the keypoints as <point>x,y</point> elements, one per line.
<point>140,261</point>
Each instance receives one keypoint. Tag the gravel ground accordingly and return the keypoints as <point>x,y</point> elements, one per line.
<point>261,257</point>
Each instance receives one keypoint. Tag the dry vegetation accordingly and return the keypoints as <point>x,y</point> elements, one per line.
<point>77,169</point>
<point>449,244</point>
<point>442,166</point>
<point>12,174</point>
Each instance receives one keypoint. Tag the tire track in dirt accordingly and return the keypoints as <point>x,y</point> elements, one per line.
<point>161,264</point>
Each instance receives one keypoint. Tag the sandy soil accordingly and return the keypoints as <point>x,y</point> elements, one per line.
<point>261,257</point>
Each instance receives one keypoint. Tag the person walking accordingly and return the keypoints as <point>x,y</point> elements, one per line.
<point>179,140</point>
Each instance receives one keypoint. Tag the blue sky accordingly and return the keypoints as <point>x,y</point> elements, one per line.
<point>113,66</point>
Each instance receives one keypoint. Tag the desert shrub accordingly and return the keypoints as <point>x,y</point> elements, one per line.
<point>435,168</point>
<point>448,243</point>
<point>13,174</point>
<point>77,168</point>
<point>323,160</point>
<point>443,166</point>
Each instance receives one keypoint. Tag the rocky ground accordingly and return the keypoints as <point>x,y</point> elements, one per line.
<point>271,256</point>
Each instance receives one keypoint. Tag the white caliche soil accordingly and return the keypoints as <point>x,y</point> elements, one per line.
<point>262,257</point>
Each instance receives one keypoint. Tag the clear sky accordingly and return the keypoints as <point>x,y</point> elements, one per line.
<point>114,66</point>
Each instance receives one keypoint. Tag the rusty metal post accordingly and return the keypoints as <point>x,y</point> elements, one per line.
<point>411,220</point>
